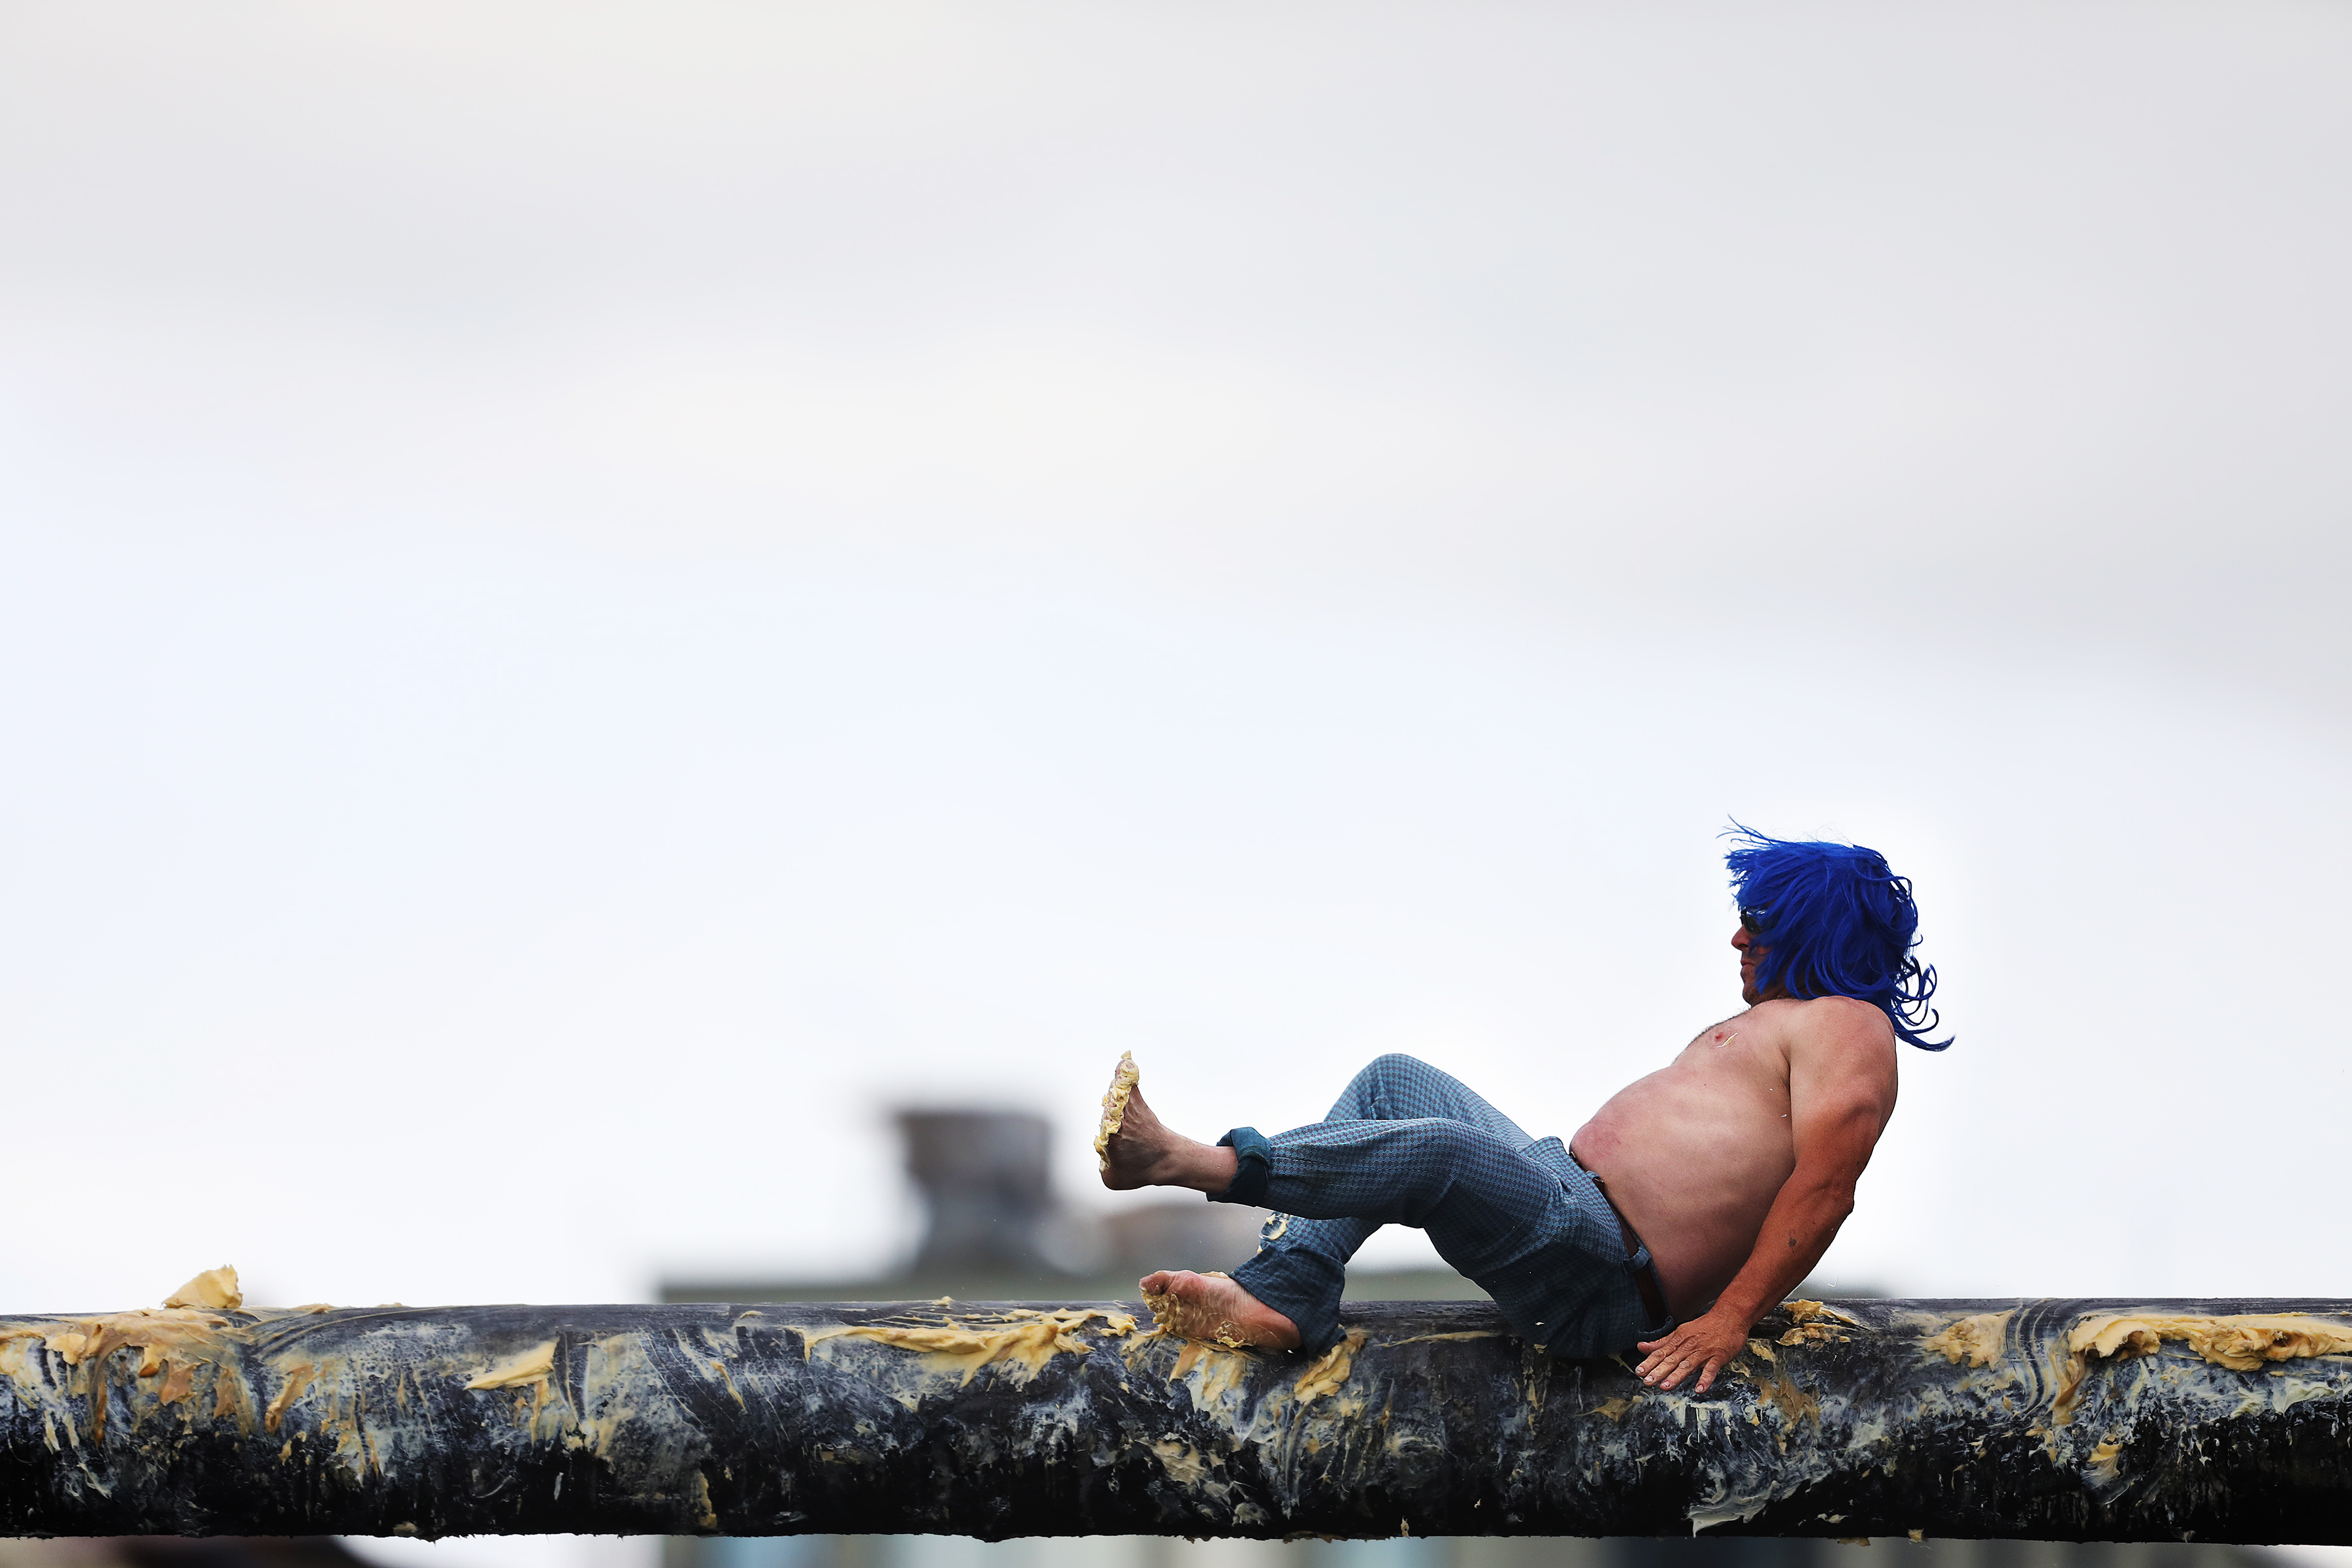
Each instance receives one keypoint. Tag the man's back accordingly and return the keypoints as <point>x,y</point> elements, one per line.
<point>1694,1154</point>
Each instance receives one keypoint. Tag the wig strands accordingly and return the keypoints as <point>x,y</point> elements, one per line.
<point>1835,922</point>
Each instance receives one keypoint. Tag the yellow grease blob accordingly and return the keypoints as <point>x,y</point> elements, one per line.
<point>299,1379</point>
<point>1815,1323</point>
<point>1222,1373</point>
<point>1182,1462</point>
<point>534,1365</point>
<point>2242,1343</point>
<point>1328,1374</point>
<point>215,1290</point>
<point>1975,1339</point>
<point>1023,1339</point>
<point>1794,1403</point>
<point>1114,1105</point>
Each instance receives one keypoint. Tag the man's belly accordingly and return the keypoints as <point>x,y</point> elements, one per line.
<point>1694,1180</point>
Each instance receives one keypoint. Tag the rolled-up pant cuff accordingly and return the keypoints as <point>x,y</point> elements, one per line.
<point>1293,1285</point>
<point>1254,1168</point>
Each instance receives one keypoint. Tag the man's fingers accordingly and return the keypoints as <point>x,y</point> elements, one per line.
<point>1675,1358</point>
<point>1672,1359</point>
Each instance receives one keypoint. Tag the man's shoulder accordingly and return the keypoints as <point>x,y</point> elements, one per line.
<point>1839,1023</point>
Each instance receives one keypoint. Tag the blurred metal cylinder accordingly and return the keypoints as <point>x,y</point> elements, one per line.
<point>987,1182</point>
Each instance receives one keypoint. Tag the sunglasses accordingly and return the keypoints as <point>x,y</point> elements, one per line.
<point>1754,922</point>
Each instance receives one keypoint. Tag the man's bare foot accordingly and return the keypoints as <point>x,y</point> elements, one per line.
<point>1141,1150</point>
<point>1214,1309</point>
<point>1123,1080</point>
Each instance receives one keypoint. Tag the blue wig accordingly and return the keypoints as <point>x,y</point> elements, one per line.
<point>1832,919</point>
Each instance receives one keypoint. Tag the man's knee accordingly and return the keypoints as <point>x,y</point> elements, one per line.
<point>1394,1070</point>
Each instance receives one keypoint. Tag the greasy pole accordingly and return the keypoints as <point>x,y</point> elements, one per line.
<point>2062,1420</point>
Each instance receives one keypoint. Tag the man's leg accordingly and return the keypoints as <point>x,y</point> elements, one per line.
<point>1145,1152</point>
<point>1491,1212</point>
<point>1399,1087</point>
<point>1481,1202</point>
<point>1449,1164</point>
<point>1301,1266</point>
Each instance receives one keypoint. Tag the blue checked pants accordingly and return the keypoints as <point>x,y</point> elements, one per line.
<point>1407,1144</point>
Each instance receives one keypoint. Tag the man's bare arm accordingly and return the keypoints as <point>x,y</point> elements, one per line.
<point>1840,1092</point>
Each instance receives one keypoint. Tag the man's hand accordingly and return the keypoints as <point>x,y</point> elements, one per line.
<point>1705,1346</point>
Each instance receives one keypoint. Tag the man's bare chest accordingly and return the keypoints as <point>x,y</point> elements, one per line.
<point>1741,1062</point>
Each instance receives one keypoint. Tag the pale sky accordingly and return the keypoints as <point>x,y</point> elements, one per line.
<point>594,596</point>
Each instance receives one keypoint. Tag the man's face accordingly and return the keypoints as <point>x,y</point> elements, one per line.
<point>1750,954</point>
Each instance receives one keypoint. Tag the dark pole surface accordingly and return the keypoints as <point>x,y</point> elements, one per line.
<point>2062,1420</point>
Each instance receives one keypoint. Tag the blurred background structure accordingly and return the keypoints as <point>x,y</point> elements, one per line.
<point>594,598</point>
<point>996,1230</point>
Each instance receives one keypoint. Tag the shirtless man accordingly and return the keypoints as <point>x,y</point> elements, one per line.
<point>1684,1210</point>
